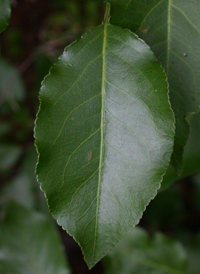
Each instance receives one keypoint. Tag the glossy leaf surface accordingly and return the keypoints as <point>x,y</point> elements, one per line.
<point>172,29</point>
<point>29,243</point>
<point>138,253</point>
<point>5,11</point>
<point>104,134</point>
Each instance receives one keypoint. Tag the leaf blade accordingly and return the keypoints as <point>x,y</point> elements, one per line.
<point>123,115</point>
<point>172,29</point>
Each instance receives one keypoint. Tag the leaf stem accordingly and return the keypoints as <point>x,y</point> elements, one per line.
<point>107,14</point>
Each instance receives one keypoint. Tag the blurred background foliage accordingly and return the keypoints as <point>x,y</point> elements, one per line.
<point>38,32</point>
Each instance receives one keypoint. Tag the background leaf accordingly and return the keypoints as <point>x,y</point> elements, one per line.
<point>191,159</point>
<point>104,134</point>
<point>192,244</point>
<point>138,253</point>
<point>12,89</point>
<point>5,10</point>
<point>9,155</point>
<point>23,188</point>
<point>29,243</point>
<point>172,29</point>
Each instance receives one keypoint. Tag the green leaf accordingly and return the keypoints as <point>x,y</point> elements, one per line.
<point>191,242</point>
<point>192,245</point>
<point>191,159</point>
<point>19,190</point>
<point>29,243</point>
<point>172,29</point>
<point>138,253</point>
<point>104,134</point>
<point>5,11</point>
<point>12,88</point>
<point>23,188</point>
<point>9,155</point>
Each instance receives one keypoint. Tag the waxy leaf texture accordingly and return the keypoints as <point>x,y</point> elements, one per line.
<point>172,29</point>
<point>104,135</point>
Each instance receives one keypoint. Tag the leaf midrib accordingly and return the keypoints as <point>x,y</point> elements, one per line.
<point>102,128</point>
<point>168,34</point>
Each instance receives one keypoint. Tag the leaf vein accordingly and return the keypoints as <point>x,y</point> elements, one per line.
<point>75,152</point>
<point>77,80</point>
<point>189,21</point>
<point>66,119</point>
